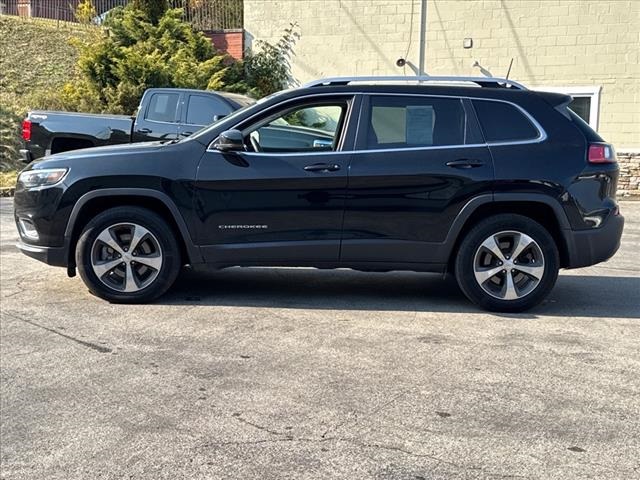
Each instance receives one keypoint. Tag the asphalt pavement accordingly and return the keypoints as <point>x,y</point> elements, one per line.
<point>302,373</point>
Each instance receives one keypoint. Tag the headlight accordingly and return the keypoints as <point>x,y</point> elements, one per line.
<point>46,177</point>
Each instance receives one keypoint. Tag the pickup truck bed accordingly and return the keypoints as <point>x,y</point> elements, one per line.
<point>53,132</point>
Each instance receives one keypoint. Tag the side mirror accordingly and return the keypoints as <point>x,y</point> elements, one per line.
<point>230,141</point>
<point>218,117</point>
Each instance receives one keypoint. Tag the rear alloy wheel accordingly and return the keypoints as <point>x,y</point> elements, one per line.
<point>507,263</point>
<point>128,255</point>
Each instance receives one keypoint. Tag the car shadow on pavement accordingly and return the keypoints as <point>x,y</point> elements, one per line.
<point>302,288</point>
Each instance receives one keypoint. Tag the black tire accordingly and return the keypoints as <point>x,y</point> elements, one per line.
<point>162,233</point>
<point>470,245</point>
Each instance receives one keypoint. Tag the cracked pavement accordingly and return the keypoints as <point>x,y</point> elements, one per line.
<point>302,373</point>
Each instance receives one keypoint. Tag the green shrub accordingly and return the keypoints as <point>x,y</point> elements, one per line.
<point>85,12</point>
<point>269,70</point>
<point>152,9</point>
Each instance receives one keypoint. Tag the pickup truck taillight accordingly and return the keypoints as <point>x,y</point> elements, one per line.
<point>601,153</point>
<point>26,130</point>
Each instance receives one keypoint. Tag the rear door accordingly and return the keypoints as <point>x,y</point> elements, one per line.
<point>418,160</point>
<point>158,118</point>
<point>200,110</point>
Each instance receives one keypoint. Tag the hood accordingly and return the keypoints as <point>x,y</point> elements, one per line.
<point>102,152</point>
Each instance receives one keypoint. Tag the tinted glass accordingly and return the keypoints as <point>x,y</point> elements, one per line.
<point>307,128</point>
<point>406,122</point>
<point>502,122</point>
<point>201,109</point>
<point>582,107</point>
<point>162,107</point>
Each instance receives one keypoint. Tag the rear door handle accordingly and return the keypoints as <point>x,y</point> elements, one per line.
<point>464,163</point>
<point>144,130</point>
<point>186,134</point>
<point>322,167</point>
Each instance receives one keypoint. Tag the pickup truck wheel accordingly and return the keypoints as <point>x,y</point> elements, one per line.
<point>507,263</point>
<point>128,255</point>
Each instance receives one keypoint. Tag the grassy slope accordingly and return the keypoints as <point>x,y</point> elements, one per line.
<point>35,56</point>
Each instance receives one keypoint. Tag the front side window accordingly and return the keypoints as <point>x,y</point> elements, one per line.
<point>305,128</point>
<point>202,109</point>
<point>163,107</point>
<point>409,122</point>
<point>503,122</point>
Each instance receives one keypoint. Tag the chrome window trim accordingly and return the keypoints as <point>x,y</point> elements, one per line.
<point>292,100</point>
<point>542,134</point>
<point>161,122</point>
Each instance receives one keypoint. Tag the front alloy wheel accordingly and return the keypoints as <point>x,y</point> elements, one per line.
<point>128,255</point>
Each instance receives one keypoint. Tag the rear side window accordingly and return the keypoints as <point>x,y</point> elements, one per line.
<point>202,109</point>
<point>502,122</point>
<point>408,122</point>
<point>163,107</point>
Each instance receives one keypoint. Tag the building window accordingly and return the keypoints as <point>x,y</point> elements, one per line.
<point>586,101</point>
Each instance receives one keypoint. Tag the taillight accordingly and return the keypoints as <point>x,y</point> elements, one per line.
<point>601,153</point>
<point>26,130</point>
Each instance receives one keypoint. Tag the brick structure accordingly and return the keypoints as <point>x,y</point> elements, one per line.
<point>629,182</point>
<point>230,42</point>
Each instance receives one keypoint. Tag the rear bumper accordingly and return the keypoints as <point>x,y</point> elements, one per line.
<point>56,256</point>
<point>588,247</point>
<point>27,157</point>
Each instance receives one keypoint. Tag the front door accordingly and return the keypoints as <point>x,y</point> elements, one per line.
<point>282,200</point>
<point>418,160</point>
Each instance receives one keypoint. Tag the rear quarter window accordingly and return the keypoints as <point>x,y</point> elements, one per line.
<point>503,122</point>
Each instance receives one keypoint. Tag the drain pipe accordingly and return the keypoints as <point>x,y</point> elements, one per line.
<point>423,37</point>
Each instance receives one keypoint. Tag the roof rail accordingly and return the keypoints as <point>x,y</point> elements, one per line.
<point>494,82</point>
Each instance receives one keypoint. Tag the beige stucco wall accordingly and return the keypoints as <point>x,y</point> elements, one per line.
<point>553,43</point>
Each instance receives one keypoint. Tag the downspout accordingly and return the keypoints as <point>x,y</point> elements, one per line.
<point>423,37</point>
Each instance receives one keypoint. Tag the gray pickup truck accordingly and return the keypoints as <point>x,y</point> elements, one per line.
<point>163,114</point>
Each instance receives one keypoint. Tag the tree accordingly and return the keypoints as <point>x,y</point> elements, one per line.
<point>153,9</point>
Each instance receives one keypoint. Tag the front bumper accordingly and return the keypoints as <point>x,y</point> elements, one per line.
<point>56,256</point>
<point>588,247</point>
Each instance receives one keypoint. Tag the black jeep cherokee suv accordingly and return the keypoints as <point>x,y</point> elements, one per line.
<point>480,177</point>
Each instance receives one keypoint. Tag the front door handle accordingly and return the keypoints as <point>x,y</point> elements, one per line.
<point>464,163</point>
<point>144,130</point>
<point>322,167</point>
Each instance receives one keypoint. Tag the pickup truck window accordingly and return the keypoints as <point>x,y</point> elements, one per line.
<point>201,109</point>
<point>162,107</point>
